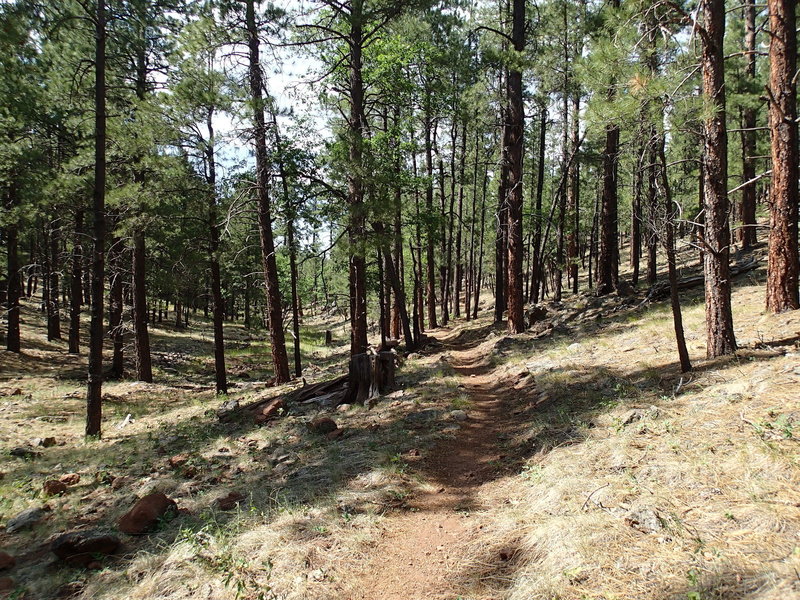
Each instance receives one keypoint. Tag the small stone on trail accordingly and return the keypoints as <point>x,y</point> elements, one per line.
<point>458,415</point>
<point>146,513</point>
<point>47,442</point>
<point>343,407</point>
<point>81,548</point>
<point>25,519</point>
<point>70,478</point>
<point>412,356</point>
<point>52,487</point>
<point>120,482</point>
<point>229,502</point>
<point>7,561</point>
<point>323,425</point>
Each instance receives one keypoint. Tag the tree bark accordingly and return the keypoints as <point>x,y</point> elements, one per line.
<point>747,232</point>
<point>717,235</point>
<point>115,326</point>
<point>220,375</point>
<point>52,304</point>
<point>14,285</point>
<point>76,291</point>
<point>783,269</point>
<point>273,295</point>
<point>95,375</point>
<point>430,237</point>
<point>141,336</point>
<point>515,141</point>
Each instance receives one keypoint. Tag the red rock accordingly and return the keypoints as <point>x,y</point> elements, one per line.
<point>323,425</point>
<point>95,565</point>
<point>335,434</point>
<point>230,501</point>
<point>53,487</point>
<point>7,561</point>
<point>70,478</point>
<point>120,482</point>
<point>273,409</point>
<point>6,585</point>
<point>146,513</point>
<point>260,419</point>
<point>178,460</point>
<point>81,548</point>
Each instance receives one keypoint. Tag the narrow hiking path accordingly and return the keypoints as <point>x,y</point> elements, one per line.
<point>419,554</point>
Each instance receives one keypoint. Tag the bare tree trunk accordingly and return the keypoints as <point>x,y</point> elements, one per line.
<point>479,276</point>
<point>430,233</point>
<point>717,235</point>
<point>76,291</point>
<point>459,275</point>
<point>144,368</point>
<point>273,295</point>
<point>52,304</point>
<point>636,216</point>
<point>95,376</point>
<point>669,244</point>
<point>536,274</point>
<point>14,286</point>
<point>218,316</point>
<point>115,325</point>
<point>783,269</point>
<point>747,233</point>
<point>515,141</point>
<point>652,212</point>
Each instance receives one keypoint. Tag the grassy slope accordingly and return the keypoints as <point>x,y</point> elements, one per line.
<point>717,461</point>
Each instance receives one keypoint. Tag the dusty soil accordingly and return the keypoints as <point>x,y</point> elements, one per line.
<point>421,547</point>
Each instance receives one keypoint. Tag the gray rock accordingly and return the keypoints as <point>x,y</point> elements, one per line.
<point>26,518</point>
<point>22,452</point>
<point>646,520</point>
<point>79,548</point>
<point>638,414</point>
<point>458,415</point>
<point>227,407</point>
<point>422,417</point>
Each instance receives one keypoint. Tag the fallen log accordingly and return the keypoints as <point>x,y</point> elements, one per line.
<point>660,290</point>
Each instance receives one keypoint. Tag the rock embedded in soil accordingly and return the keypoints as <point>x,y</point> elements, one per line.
<point>146,514</point>
<point>323,425</point>
<point>26,518</point>
<point>82,548</point>
<point>6,585</point>
<point>335,434</point>
<point>120,482</point>
<point>178,460</point>
<point>230,501</point>
<point>6,561</point>
<point>47,442</point>
<point>646,520</point>
<point>53,487</point>
<point>70,479</point>
<point>458,415</point>
<point>22,452</point>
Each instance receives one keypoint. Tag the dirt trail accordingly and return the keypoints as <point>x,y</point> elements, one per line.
<point>418,555</point>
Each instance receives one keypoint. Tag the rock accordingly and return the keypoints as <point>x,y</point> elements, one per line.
<point>335,434</point>
<point>47,442</point>
<point>645,520</point>
<point>25,519</point>
<point>7,561</point>
<point>535,314</point>
<point>458,415</point>
<point>81,548</point>
<point>178,460</point>
<point>638,414</point>
<point>229,502</point>
<point>146,513</point>
<point>227,407</point>
<point>53,487</point>
<point>120,482</point>
<point>422,417</point>
<point>70,479</point>
<point>6,585</point>
<point>574,347</point>
<point>413,356</point>
<point>22,452</point>
<point>343,407</point>
<point>323,425</point>
<point>273,409</point>
<point>190,472</point>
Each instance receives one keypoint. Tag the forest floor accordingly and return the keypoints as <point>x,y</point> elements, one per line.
<point>572,461</point>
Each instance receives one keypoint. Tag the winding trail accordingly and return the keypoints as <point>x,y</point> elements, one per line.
<point>418,556</point>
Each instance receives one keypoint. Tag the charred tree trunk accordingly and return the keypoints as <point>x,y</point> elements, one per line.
<point>95,375</point>
<point>273,295</point>
<point>716,235</point>
<point>783,269</point>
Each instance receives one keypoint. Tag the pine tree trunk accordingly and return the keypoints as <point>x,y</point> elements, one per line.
<point>669,244</point>
<point>273,295</point>
<point>479,276</point>
<point>76,291</point>
<point>220,375</point>
<point>608,259</point>
<point>515,141</point>
<point>573,197</point>
<point>430,233</point>
<point>652,212</point>
<point>717,235</point>
<point>747,210</point>
<point>783,269</point>
<point>536,274</point>
<point>144,369</point>
<point>459,275</point>
<point>53,308</point>
<point>115,326</point>
<point>95,375</point>
<point>14,282</point>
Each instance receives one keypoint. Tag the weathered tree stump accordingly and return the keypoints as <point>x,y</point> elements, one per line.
<point>328,337</point>
<point>369,376</point>
<point>384,371</point>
